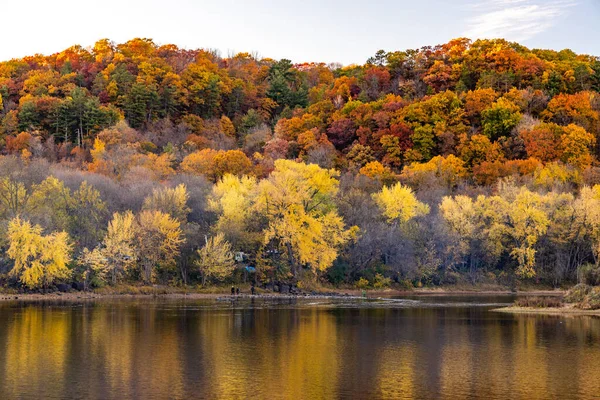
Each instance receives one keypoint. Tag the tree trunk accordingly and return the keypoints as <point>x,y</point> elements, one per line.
<point>291,259</point>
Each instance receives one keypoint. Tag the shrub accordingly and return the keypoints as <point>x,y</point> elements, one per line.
<point>584,296</point>
<point>381,282</point>
<point>539,302</point>
<point>577,293</point>
<point>405,284</point>
<point>592,300</point>
<point>362,283</point>
<point>588,298</point>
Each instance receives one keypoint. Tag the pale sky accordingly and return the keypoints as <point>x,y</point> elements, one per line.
<point>345,31</point>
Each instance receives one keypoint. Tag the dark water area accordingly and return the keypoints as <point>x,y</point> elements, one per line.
<point>438,347</point>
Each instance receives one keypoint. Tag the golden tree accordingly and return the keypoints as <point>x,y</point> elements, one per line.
<point>232,198</point>
<point>172,201</point>
<point>588,206</point>
<point>118,249</point>
<point>399,204</point>
<point>298,201</point>
<point>459,213</point>
<point>38,260</point>
<point>527,222</point>
<point>159,238</point>
<point>215,259</point>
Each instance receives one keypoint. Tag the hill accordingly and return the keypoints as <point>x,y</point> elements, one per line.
<point>469,161</point>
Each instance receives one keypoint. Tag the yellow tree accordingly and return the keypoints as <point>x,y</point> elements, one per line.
<point>512,221</point>
<point>232,199</point>
<point>566,234</point>
<point>215,259</point>
<point>92,264</point>
<point>450,170</point>
<point>159,238</point>
<point>490,226</point>
<point>38,260</point>
<point>588,206</point>
<point>399,204</point>
<point>556,174</point>
<point>172,201</point>
<point>308,238</point>
<point>118,250</point>
<point>52,201</point>
<point>528,221</point>
<point>459,213</point>
<point>298,201</point>
<point>297,183</point>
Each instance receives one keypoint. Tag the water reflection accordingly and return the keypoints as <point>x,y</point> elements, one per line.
<point>200,349</point>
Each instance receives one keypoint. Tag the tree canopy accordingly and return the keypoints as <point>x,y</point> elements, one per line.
<point>138,162</point>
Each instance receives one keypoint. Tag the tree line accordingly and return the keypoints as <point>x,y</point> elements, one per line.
<point>134,162</point>
<point>302,223</point>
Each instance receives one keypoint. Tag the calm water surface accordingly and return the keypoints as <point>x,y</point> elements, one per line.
<point>424,347</point>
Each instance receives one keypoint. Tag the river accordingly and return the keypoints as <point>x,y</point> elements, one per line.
<point>422,347</point>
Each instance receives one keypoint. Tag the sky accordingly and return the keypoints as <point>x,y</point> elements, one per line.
<point>344,31</point>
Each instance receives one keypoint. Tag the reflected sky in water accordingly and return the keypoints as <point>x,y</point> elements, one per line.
<point>420,347</point>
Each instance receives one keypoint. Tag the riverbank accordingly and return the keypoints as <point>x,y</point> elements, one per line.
<point>85,296</point>
<point>568,309</point>
<point>168,292</point>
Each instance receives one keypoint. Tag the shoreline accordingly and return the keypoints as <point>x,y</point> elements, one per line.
<point>161,293</point>
<point>568,309</point>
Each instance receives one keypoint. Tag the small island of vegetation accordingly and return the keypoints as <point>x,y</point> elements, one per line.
<point>581,299</point>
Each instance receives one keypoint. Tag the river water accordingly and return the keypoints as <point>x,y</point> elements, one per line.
<point>423,347</point>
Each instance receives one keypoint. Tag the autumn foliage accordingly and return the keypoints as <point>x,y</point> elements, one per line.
<point>137,161</point>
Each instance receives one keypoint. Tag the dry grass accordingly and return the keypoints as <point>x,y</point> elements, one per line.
<point>540,302</point>
<point>584,297</point>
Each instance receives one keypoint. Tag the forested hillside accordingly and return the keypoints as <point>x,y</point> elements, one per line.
<point>463,162</point>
